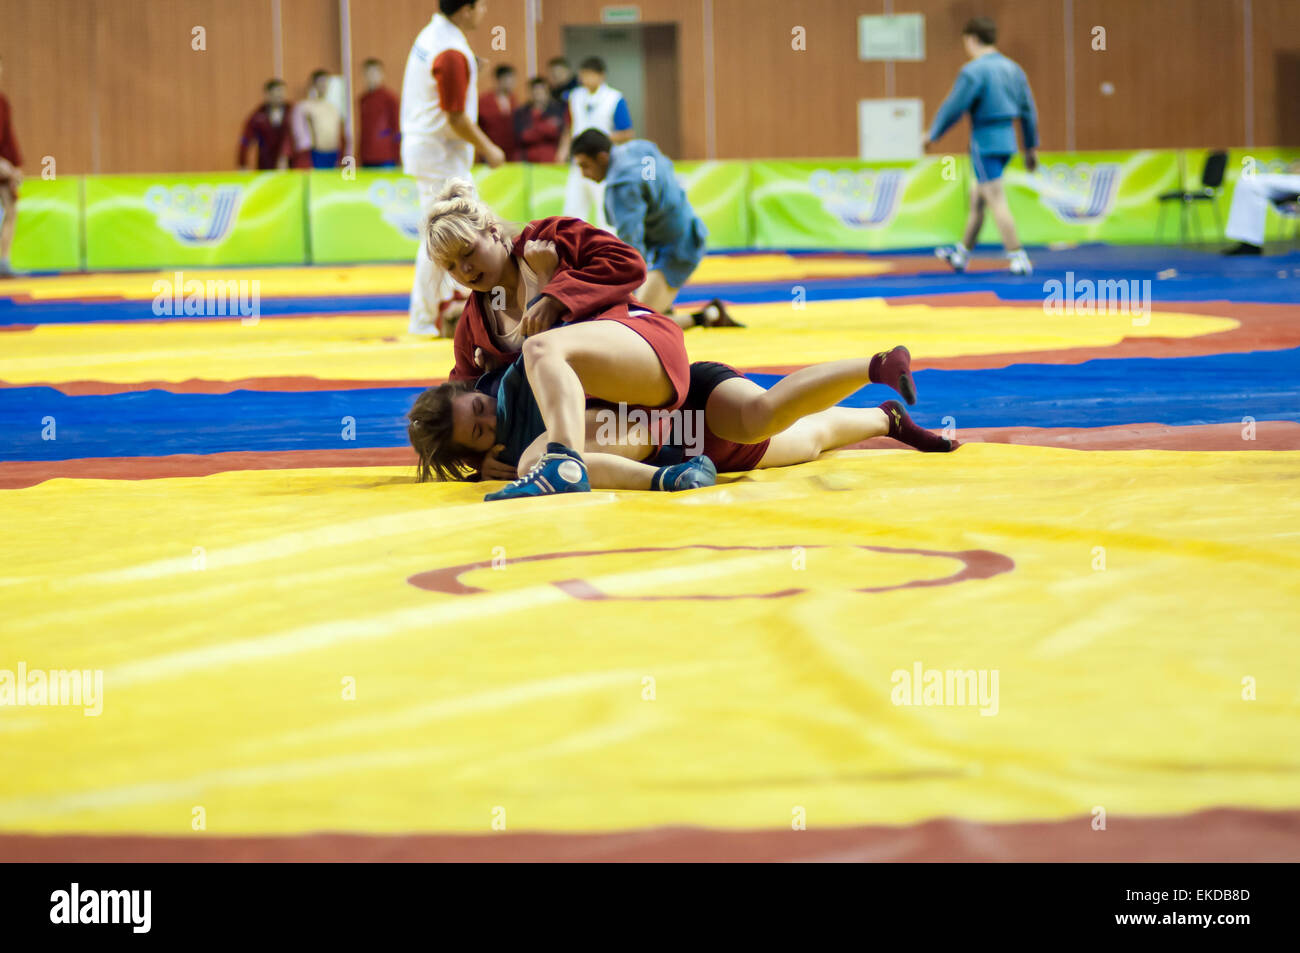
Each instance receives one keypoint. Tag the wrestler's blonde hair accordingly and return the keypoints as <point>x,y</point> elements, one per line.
<point>457,217</point>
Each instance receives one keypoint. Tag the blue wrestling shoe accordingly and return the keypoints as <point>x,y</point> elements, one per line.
<point>691,475</point>
<point>559,471</point>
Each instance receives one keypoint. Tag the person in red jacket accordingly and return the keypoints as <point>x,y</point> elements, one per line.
<point>539,124</point>
<point>268,128</point>
<point>581,334</point>
<point>496,112</point>
<point>380,116</point>
<point>11,176</point>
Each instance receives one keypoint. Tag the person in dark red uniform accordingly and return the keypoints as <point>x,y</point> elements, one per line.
<point>268,129</point>
<point>580,331</point>
<point>539,124</point>
<point>11,176</point>
<point>496,112</point>
<point>379,113</point>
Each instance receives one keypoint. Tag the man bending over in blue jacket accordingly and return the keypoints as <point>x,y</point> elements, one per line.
<point>648,210</point>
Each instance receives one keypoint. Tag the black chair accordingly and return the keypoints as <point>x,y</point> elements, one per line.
<point>1211,182</point>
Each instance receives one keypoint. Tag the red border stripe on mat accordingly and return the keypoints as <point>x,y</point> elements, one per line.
<point>1221,834</point>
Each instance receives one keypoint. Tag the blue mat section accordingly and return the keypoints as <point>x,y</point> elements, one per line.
<point>1221,388</point>
<point>156,422</point>
<point>1184,391</point>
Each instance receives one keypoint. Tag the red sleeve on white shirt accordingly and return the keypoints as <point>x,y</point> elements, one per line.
<point>451,73</point>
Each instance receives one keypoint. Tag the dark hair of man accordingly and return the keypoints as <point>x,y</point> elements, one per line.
<point>983,29</point>
<point>591,143</point>
<point>449,8</point>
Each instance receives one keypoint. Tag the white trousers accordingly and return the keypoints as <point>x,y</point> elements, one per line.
<point>584,198</point>
<point>1250,202</point>
<point>432,286</point>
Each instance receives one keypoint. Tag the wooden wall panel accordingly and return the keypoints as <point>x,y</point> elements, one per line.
<point>1275,37</point>
<point>774,100</point>
<point>1177,68</point>
<point>663,77</point>
<point>162,106</point>
<point>48,49</point>
<point>311,41</point>
<point>113,85</point>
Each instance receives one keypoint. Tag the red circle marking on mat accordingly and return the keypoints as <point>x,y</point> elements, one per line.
<point>976,564</point>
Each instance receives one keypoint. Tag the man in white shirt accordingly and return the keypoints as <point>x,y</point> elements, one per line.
<point>1250,201</point>
<point>592,105</point>
<point>440,132</point>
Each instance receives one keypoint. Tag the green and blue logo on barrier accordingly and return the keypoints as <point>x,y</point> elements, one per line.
<point>861,198</point>
<point>228,219</point>
<point>1088,196</point>
<point>377,216</point>
<point>854,204</point>
<point>1079,192</point>
<point>216,219</point>
<point>197,215</point>
<point>398,202</point>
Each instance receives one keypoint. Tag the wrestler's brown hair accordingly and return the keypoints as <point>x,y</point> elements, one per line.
<point>429,430</point>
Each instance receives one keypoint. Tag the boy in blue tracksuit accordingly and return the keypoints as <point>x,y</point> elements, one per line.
<point>993,89</point>
<point>648,209</point>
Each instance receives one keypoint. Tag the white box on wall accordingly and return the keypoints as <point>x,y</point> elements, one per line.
<point>897,37</point>
<point>889,129</point>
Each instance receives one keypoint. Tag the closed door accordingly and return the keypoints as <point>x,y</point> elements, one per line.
<point>641,63</point>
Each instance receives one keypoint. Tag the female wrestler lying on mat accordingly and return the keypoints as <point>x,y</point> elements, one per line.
<point>581,334</point>
<point>727,421</point>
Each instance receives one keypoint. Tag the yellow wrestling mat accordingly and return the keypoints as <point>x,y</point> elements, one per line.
<point>1124,600</point>
<point>379,349</point>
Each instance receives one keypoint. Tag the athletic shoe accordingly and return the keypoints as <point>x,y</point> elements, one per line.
<point>716,316</point>
<point>1244,248</point>
<point>560,471</point>
<point>954,256</point>
<point>1020,264</point>
<point>694,473</point>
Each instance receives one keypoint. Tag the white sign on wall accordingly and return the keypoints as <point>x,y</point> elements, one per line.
<point>898,37</point>
<point>889,129</point>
